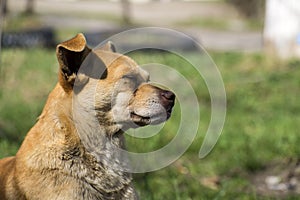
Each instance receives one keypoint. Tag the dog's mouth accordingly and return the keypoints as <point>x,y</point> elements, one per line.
<point>146,120</point>
<point>140,120</point>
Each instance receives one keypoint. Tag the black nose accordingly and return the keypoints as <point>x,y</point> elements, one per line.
<point>167,101</point>
<point>168,95</point>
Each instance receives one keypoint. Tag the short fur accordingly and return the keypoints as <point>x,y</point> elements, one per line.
<point>70,151</point>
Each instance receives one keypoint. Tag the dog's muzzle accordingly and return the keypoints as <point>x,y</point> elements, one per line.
<point>165,102</point>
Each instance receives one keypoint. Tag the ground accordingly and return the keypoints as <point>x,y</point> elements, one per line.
<point>279,178</point>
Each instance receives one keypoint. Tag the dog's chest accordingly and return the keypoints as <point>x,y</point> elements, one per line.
<point>98,175</point>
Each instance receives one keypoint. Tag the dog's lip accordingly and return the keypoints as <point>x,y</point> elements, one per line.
<point>134,115</point>
<point>140,120</point>
<point>146,120</point>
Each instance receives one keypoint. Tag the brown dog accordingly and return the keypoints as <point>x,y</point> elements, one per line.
<point>72,150</point>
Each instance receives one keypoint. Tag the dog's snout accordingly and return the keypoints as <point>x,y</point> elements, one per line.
<point>168,95</point>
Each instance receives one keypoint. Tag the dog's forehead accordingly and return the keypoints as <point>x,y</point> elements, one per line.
<point>129,67</point>
<point>119,65</point>
<point>123,65</point>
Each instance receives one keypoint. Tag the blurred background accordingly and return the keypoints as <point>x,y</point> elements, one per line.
<point>254,43</point>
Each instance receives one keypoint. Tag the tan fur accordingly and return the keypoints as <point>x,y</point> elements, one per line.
<point>69,152</point>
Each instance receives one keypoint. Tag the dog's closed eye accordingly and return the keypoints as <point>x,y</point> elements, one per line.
<point>129,76</point>
<point>134,77</point>
<point>131,79</point>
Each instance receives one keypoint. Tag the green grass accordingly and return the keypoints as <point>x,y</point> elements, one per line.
<point>262,122</point>
<point>223,24</point>
<point>27,76</point>
<point>21,21</point>
<point>212,23</point>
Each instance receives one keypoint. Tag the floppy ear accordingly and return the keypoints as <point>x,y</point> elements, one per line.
<point>109,46</point>
<point>70,55</point>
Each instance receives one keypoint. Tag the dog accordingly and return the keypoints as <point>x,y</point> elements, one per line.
<point>73,150</point>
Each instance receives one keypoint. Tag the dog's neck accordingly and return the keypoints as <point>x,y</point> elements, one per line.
<point>101,150</point>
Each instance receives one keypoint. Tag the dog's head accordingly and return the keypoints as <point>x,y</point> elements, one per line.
<point>111,85</point>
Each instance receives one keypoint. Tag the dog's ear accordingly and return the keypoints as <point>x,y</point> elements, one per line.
<point>109,46</point>
<point>70,55</point>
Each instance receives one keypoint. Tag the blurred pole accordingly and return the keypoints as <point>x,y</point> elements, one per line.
<point>282,28</point>
<point>29,7</point>
<point>126,11</point>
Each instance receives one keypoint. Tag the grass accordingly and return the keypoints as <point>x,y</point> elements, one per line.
<point>27,76</point>
<point>261,124</point>
<point>223,24</point>
<point>212,23</point>
<point>21,21</point>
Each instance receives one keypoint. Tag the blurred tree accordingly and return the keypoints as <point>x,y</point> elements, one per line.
<point>3,12</point>
<point>29,7</point>
<point>250,8</point>
<point>4,9</point>
<point>126,11</point>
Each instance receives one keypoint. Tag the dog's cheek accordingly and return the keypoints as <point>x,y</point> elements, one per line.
<point>103,96</point>
<point>121,107</point>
